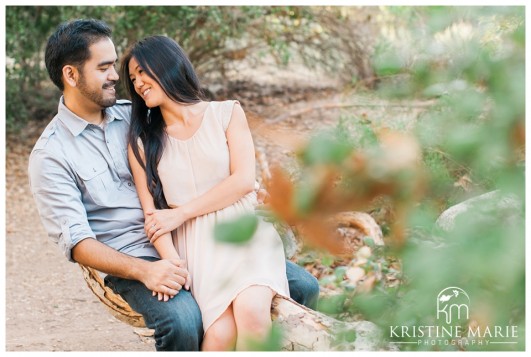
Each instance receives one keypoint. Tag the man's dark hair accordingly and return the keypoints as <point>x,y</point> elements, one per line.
<point>69,45</point>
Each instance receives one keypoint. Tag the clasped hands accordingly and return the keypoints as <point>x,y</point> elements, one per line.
<point>166,277</point>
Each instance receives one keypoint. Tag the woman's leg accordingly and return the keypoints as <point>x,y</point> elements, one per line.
<point>252,314</point>
<point>221,335</point>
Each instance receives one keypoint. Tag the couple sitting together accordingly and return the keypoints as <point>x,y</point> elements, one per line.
<point>135,188</point>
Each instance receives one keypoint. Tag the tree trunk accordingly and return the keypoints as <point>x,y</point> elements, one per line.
<point>308,330</point>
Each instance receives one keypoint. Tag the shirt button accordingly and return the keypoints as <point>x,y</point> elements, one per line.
<point>129,184</point>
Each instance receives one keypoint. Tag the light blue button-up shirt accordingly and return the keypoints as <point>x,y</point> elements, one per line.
<point>82,184</point>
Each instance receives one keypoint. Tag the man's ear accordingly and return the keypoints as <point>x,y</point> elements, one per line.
<point>70,75</point>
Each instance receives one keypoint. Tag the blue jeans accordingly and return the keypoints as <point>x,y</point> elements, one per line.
<point>303,286</point>
<point>177,323</point>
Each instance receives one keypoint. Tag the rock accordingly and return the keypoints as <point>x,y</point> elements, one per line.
<point>487,205</point>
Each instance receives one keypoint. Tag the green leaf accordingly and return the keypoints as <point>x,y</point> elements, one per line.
<point>339,272</point>
<point>333,304</point>
<point>388,63</point>
<point>327,260</point>
<point>368,241</point>
<point>305,196</point>
<point>326,148</point>
<point>273,341</point>
<point>236,231</point>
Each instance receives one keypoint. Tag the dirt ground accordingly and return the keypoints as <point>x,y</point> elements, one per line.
<point>48,305</point>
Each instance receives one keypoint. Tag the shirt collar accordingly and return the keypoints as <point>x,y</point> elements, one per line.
<point>77,124</point>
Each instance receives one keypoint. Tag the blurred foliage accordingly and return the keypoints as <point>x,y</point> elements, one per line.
<point>470,64</point>
<point>238,230</point>
<point>333,39</point>
<point>272,342</point>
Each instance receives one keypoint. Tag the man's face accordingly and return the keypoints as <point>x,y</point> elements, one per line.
<point>98,75</point>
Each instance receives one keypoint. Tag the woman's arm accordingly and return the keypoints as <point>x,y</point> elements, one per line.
<point>164,246</point>
<point>240,182</point>
<point>242,171</point>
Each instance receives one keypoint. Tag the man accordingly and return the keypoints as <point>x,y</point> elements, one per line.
<point>84,190</point>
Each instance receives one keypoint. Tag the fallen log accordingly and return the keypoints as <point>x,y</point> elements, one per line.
<point>303,329</point>
<point>308,330</point>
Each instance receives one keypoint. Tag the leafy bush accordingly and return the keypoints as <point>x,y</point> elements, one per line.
<point>469,63</point>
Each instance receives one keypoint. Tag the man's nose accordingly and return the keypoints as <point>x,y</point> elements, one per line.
<point>113,75</point>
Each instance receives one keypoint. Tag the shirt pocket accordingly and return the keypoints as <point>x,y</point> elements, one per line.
<point>97,181</point>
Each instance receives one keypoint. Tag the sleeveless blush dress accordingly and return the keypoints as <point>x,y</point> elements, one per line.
<point>219,271</point>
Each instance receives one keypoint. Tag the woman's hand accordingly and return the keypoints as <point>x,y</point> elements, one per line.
<point>262,196</point>
<point>188,282</point>
<point>163,297</point>
<point>159,222</point>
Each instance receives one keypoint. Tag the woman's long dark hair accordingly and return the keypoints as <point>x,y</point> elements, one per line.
<point>164,61</point>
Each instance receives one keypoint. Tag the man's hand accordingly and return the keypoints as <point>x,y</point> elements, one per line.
<point>165,277</point>
<point>166,297</point>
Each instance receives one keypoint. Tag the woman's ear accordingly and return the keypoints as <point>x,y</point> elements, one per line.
<point>70,75</point>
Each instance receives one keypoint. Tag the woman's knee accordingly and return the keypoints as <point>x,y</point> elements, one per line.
<point>252,308</point>
<point>221,335</point>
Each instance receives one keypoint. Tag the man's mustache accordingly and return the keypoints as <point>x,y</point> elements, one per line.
<point>109,84</point>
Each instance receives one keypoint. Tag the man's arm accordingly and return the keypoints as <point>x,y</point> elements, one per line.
<point>164,276</point>
<point>64,217</point>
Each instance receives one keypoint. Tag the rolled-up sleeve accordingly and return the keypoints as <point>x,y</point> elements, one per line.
<point>58,201</point>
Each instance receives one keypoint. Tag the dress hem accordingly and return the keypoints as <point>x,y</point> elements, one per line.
<point>235,295</point>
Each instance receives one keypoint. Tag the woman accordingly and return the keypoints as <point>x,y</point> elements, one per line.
<point>194,161</point>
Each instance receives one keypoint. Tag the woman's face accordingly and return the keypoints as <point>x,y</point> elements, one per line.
<point>145,86</point>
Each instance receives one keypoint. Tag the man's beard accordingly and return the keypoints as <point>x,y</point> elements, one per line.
<point>97,96</point>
